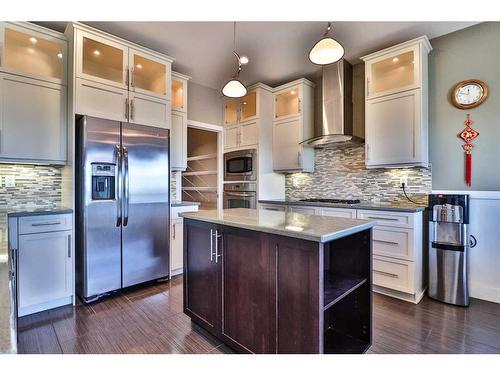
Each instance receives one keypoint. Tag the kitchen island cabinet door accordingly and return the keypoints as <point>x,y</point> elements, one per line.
<point>202,275</point>
<point>248,316</point>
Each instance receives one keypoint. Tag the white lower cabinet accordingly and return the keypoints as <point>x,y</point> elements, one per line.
<point>397,247</point>
<point>177,238</point>
<point>32,120</point>
<point>45,276</point>
<point>176,243</point>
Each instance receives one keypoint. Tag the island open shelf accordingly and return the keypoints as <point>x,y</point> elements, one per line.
<point>347,294</point>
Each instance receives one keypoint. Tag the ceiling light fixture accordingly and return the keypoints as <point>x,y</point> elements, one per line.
<point>60,55</point>
<point>327,50</point>
<point>234,88</point>
<point>33,40</point>
<point>97,52</point>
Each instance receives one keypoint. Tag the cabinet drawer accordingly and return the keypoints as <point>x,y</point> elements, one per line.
<point>338,212</point>
<point>393,242</point>
<point>45,223</point>
<point>302,210</point>
<point>388,218</point>
<point>393,274</point>
<point>272,207</point>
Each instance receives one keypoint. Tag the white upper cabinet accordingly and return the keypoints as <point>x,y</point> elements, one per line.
<point>104,63</point>
<point>241,110</point>
<point>293,123</point>
<point>101,60</point>
<point>33,94</point>
<point>33,51</point>
<point>396,105</point>
<point>178,129</point>
<point>149,74</point>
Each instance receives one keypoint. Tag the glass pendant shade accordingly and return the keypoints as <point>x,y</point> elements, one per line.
<point>326,51</point>
<point>234,89</point>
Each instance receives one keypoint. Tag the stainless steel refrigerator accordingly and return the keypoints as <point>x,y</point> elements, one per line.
<point>122,173</point>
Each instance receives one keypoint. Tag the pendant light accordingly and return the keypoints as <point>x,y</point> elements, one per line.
<point>327,50</point>
<point>234,88</point>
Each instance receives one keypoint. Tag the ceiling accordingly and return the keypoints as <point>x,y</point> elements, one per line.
<point>277,50</point>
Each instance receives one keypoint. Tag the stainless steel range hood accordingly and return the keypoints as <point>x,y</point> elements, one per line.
<point>333,110</point>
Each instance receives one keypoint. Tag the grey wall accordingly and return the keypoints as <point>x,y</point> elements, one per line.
<point>470,53</point>
<point>204,104</point>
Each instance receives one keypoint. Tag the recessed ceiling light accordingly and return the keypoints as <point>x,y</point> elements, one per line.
<point>292,92</point>
<point>139,66</point>
<point>395,60</point>
<point>59,55</point>
<point>33,40</point>
<point>97,52</point>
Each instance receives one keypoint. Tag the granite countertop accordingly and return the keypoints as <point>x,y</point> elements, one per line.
<point>7,335</point>
<point>184,203</point>
<point>308,227</point>
<point>364,205</point>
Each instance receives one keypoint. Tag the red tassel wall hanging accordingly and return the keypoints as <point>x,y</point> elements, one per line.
<point>468,135</point>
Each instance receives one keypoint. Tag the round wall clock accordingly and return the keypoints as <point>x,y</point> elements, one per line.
<point>469,93</point>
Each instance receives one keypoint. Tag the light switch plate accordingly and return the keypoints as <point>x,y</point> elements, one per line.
<point>403,180</point>
<point>10,181</point>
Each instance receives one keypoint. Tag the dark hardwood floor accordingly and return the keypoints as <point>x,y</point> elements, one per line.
<point>150,320</point>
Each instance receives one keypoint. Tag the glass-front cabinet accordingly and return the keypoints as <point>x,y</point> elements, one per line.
<point>241,109</point>
<point>102,60</point>
<point>394,72</point>
<point>149,74</point>
<point>179,92</point>
<point>32,53</point>
<point>287,103</point>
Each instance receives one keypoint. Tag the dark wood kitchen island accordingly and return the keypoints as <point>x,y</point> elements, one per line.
<point>276,282</point>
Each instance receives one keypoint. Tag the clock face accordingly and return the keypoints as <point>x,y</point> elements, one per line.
<point>469,94</point>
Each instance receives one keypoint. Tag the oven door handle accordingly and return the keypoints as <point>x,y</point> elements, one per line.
<point>240,194</point>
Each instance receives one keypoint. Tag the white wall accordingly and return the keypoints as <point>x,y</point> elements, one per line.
<point>484,271</point>
<point>204,104</point>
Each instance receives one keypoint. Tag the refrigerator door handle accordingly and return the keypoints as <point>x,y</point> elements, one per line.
<point>118,186</point>
<point>126,188</point>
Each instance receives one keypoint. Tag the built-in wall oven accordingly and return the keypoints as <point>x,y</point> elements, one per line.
<point>240,195</point>
<point>240,165</point>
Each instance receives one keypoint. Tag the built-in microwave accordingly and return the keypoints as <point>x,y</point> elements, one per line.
<point>240,165</point>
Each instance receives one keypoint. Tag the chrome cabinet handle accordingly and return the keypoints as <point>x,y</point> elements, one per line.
<point>126,108</point>
<point>387,242</point>
<point>69,245</point>
<point>132,79</point>
<point>126,72</point>
<point>382,218</point>
<point>217,255</point>
<point>211,245</point>
<point>299,102</point>
<point>126,188</point>
<point>132,109</point>
<point>367,86</point>
<point>45,224</point>
<point>393,275</point>
<point>118,186</point>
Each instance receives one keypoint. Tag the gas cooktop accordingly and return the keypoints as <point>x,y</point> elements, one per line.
<point>324,200</point>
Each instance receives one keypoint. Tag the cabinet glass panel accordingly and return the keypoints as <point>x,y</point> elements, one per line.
<point>33,54</point>
<point>231,111</point>
<point>102,60</point>
<point>177,94</point>
<point>149,75</point>
<point>248,106</point>
<point>287,103</point>
<point>392,73</point>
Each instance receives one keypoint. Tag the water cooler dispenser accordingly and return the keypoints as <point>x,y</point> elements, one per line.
<point>449,245</point>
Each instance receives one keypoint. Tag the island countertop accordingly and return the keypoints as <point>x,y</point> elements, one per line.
<point>307,227</point>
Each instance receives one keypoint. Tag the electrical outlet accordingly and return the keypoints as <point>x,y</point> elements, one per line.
<point>403,180</point>
<point>9,181</point>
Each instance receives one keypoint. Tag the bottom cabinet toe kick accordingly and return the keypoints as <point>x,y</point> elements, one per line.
<point>273,289</point>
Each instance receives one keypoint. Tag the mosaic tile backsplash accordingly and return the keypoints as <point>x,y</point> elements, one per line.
<point>36,186</point>
<point>340,173</point>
